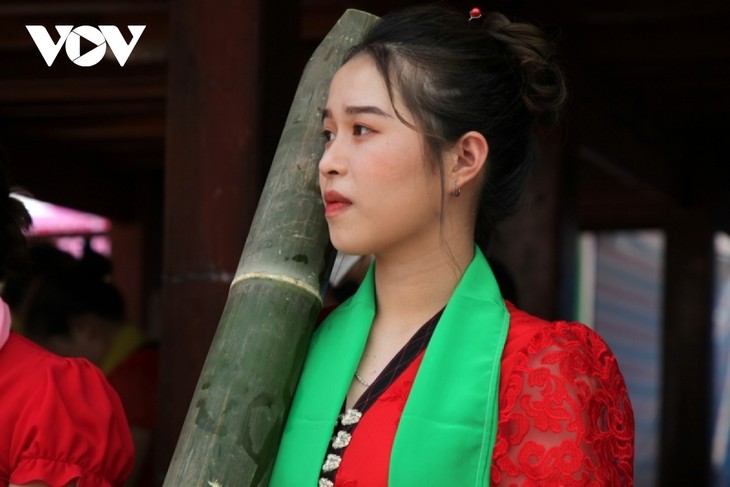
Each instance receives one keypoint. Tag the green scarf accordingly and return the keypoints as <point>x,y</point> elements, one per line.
<point>447,431</point>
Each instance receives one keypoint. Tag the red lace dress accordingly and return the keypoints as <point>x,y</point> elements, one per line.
<point>564,414</point>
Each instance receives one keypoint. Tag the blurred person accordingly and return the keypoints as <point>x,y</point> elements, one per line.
<point>61,423</point>
<point>78,313</point>
<point>45,260</point>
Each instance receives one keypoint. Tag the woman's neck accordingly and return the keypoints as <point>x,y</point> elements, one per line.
<point>410,289</point>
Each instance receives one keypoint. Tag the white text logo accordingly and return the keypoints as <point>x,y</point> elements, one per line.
<point>71,38</point>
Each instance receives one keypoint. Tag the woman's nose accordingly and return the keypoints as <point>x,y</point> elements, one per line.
<point>333,160</point>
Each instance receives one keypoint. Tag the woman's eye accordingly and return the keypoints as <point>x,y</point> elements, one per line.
<point>327,135</point>
<point>360,130</point>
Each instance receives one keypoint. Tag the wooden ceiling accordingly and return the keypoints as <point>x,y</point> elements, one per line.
<point>84,136</point>
<point>646,128</point>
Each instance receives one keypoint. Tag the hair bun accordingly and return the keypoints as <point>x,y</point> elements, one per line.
<point>533,57</point>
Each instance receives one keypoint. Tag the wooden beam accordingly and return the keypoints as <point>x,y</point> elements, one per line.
<point>82,89</point>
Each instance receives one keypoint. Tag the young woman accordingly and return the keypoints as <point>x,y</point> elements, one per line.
<point>61,424</point>
<point>426,376</point>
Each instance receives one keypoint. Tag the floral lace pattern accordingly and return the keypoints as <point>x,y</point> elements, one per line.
<point>564,415</point>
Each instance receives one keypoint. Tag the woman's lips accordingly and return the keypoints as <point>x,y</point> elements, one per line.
<point>335,203</point>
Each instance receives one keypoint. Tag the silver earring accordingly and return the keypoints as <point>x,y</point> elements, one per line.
<point>456,192</point>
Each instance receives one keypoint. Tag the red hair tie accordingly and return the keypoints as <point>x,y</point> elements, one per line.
<point>474,13</point>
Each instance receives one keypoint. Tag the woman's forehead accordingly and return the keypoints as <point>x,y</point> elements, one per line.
<point>359,83</point>
<point>358,78</point>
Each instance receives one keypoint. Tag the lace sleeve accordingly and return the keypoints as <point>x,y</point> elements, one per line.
<point>565,418</point>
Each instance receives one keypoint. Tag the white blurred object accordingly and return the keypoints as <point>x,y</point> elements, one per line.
<point>66,228</point>
<point>50,219</point>
<point>343,264</point>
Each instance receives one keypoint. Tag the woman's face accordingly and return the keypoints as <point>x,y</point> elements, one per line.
<point>379,193</point>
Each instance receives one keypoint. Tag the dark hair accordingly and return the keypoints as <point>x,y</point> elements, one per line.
<point>70,293</point>
<point>14,218</point>
<point>45,260</point>
<point>455,75</point>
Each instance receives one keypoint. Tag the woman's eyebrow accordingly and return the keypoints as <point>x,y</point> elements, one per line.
<point>326,113</point>
<point>366,109</point>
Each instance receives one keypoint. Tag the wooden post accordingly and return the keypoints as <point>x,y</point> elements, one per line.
<point>232,430</point>
<point>212,184</point>
<point>687,393</point>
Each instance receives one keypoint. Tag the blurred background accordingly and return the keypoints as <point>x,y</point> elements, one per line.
<point>157,166</point>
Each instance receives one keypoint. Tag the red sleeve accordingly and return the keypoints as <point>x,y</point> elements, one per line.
<point>565,418</point>
<point>71,426</point>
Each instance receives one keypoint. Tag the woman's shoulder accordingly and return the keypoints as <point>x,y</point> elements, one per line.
<point>534,344</point>
<point>29,370</point>
<point>65,417</point>
<point>37,364</point>
<point>559,382</point>
<point>569,352</point>
<point>24,356</point>
<point>531,333</point>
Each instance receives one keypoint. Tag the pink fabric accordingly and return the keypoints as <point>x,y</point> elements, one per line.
<point>4,322</point>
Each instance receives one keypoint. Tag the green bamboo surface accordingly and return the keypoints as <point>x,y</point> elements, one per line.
<point>234,423</point>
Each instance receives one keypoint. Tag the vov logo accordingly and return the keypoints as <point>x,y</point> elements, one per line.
<point>105,35</point>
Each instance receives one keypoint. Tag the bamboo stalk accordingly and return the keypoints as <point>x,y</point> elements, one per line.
<point>233,426</point>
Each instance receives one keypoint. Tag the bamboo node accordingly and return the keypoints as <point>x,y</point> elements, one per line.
<point>303,285</point>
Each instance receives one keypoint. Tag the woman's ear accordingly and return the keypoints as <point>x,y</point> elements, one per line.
<point>469,156</point>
